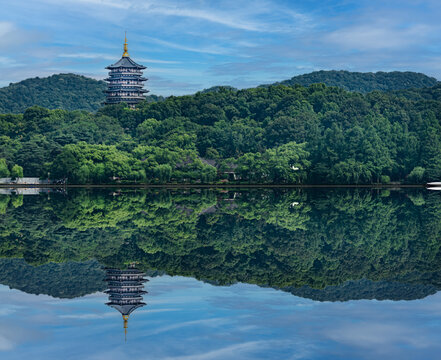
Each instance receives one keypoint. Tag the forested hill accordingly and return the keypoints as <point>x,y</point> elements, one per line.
<point>76,92</point>
<point>364,82</point>
<point>274,135</point>
<point>61,91</point>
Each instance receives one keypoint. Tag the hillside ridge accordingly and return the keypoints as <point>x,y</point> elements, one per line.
<point>69,91</point>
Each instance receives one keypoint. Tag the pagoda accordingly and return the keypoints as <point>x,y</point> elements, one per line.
<point>125,82</point>
<point>125,290</point>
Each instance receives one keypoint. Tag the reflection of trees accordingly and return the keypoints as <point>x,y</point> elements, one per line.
<point>276,238</point>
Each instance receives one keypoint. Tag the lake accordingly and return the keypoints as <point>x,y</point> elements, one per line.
<point>220,274</point>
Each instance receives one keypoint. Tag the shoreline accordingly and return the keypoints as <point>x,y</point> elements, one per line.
<point>177,186</point>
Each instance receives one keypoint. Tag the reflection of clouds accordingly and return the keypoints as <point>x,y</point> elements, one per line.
<point>8,310</point>
<point>12,335</point>
<point>89,316</point>
<point>214,322</point>
<point>5,344</point>
<point>377,334</point>
<point>228,352</point>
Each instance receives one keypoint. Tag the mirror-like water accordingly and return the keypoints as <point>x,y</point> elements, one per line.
<point>218,274</point>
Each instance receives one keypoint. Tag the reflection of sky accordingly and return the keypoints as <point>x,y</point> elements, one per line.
<point>187,319</point>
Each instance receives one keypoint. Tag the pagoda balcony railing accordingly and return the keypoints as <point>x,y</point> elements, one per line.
<point>125,71</point>
<point>117,281</point>
<point>136,278</point>
<point>125,98</point>
<point>127,88</point>
<point>125,281</point>
<point>126,299</point>
<point>131,293</point>
<point>125,77</point>
<point>125,94</point>
<point>125,278</point>
<point>124,271</point>
<point>129,101</point>
<point>131,285</point>
<point>131,289</point>
<point>121,303</point>
<point>111,93</point>
<point>127,82</point>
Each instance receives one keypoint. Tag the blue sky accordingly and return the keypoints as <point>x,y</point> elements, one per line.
<point>191,45</point>
<point>186,319</point>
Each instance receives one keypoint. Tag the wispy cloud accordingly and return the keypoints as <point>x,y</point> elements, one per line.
<point>109,57</point>
<point>377,335</point>
<point>241,15</point>
<point>213,49</point>
<point>213,322</point>
<point>379,36</point>
<point>227,352</point>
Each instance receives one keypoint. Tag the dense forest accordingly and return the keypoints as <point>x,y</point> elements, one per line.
<point>283,239</point>
<point>364,82</point>
<point>278,135</point>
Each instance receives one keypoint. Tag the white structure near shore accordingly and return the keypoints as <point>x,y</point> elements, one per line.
<point>24,181</point>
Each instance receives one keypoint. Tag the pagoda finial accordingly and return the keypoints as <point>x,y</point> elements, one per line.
<point>125,53</point>
<point>125,317</point>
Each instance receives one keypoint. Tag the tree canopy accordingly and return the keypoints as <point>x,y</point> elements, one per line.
<point>277,135</point>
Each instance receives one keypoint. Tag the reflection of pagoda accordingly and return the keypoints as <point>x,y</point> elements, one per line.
<point>126,288</point>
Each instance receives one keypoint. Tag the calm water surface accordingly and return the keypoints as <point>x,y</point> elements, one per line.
<point>247,274</point>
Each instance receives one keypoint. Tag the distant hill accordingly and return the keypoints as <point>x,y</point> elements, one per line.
<point>365,289</point>
<point>364,82</point>
<point>61,91</point>
<point>216,89</point>
<point>64,280</point>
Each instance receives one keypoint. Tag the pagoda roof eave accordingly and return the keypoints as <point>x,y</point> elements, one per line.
<point>126,62</point>
<point>126,309</point>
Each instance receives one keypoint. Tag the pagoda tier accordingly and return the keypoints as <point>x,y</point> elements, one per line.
<point>124,78</point>
<point>119,88</point>
<point>125,82</point>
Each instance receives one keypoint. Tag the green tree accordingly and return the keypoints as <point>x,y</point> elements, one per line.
<point>17,171</point>
<point>4,171</point>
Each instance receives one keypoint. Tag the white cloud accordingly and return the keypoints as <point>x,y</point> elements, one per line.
<point>228,352</point>
<point>379,36</point>
<point>87,56</point>
<point>368,335</point>
<point>13,37</point>
<point>5,344</point>
<point>89,316</point>
<point>219,17</point>
<point>6,27</point>
<point>213,50</point>
<point>204,322</point>
<point>257,16</point>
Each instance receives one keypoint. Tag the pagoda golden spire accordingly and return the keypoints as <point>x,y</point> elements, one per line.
<point>125,317</point>
<point>125,53</point>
